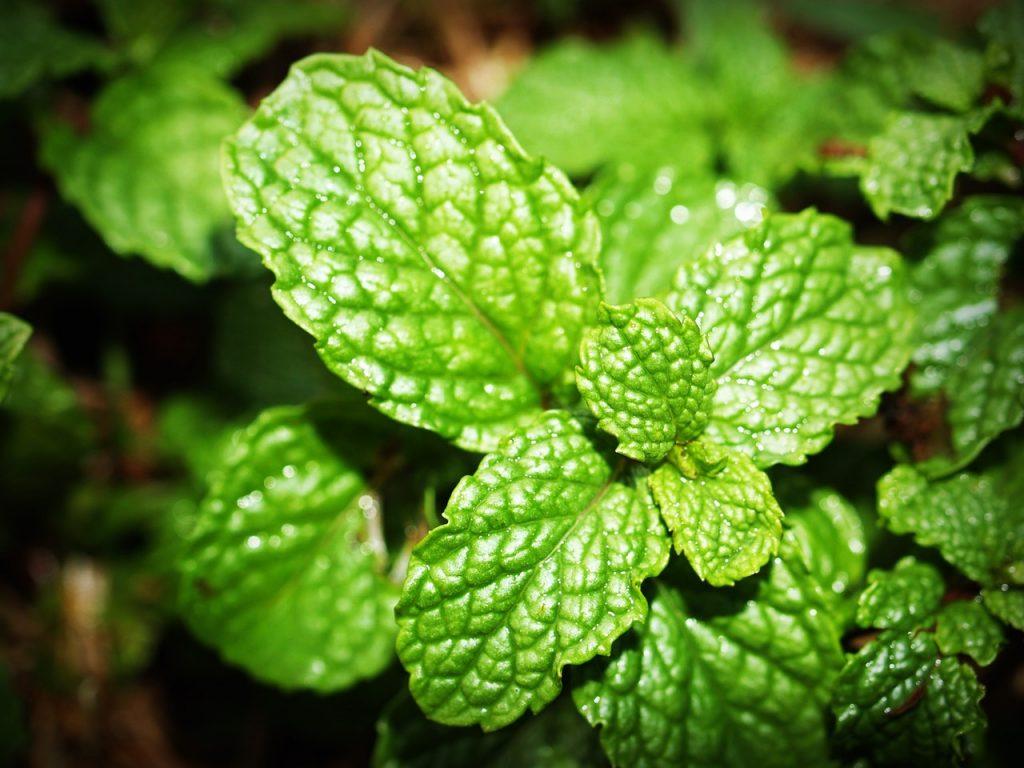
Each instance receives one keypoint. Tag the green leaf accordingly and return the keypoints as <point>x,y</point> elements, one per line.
<point>438,267</point>
<point>636,98</point>
<point>34,48</point>
<point>14,334</point>
<point>722,678</point>
<point>146,174</point>
<point>912,163</point>
<point>643,371</point>
<point>954,286</point>
<point>555,738</point>
<point>282,568</point>
<point>986,388</point>
<point>977,528</point>
<point>906,595</point>
<point>1007,604</point>
<point>965,627</point>
<point>829,533</point>
<point>656,217</point>
<point>1003,27</point>
<point>807,328</point>
<point>721,511</point>
<point>946,74</point>
<point>539,566</point>
<point>899,702</point>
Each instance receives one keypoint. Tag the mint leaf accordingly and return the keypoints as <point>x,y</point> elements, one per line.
<point>555,738</point>
<point>1003,28</point>
<point>539,566</point>
<point>644,373</point>
<point>14,334</point>
<point>439,268</point>
<point>900,703</point>
<point>912,163</point>
<point>807,329</point>
<point>986,389</point>
<point>720,678</point>
<point>33,47</point>
<point>829,534</point>
<point>145,176</point>
<point>721,511</point>
<point>954,286</point>
<point>281,570</point>
<point>638,96</point>
<point>1006,603</point>
<point>910,592</point>
<point>655,217</point>
<point>975,526</point>
<point>965,627</point>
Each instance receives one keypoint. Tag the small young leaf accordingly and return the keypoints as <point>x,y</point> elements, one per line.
<point>720,679</point>
<point>1006,603</point>
<point>722,515</point>
<point>655,217</point>
<point>146,175</point>
<point>906,595</point>
<point>14,334</point>
<point>644,373</point>
<point>539,566</point>
<point>437,266</point>
<point>974,525</point>
<point>900,703</point>
<point>807,329</point>
<point>966,627</point>
<point>280,570</point>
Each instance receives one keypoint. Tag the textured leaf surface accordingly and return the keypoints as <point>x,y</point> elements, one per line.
<point>281,570</point>
<point>986,389</point>
<point>954,286</point>
<point>1007,604</point>
<point>721,512</point>
<point>830,535</point>
<point>912,164</point>
<point>438,267</point>
<point>718,679</point>
<point>539,566</point>
<point>644,373</point>
<point>146,174</point>
<point>558,737</point>
<point>1003,26</point>
<point>807,329</point>
<point>14,334</point>
<point>908,594</point>
<point>654,218</point>
<point>898,702</point>
<point>966,627</point>
<point>975,526</point>
<point>637,95</point>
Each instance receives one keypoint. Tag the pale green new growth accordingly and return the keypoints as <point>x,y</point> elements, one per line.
<point>282,569</point>
<point>807,329</point>
<point>644,373</point>
<point>966,627</point>
<point>909,593</point>
<point>146,174</point>
<point>14,334</point>
<point>720,509</point>
<point>438,267</point>
<point>538,566</point>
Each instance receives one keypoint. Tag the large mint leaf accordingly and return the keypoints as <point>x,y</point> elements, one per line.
<point>146,174</point>
<point>558,737</point>
<point>807,329</point>
<point>644,373</point>
<point>954,286</point>
<point>281,570</point>
<point>14,334</point>
<point>439,268</point>
<point>582,105</point>
<point>906,595</point>
<point>720,509</point>
<point>899,702</point>
<point>655,217</point>
<point>975,526</point>
<point>720,678</point>
<point>965,627</point>
<point>539,566</point>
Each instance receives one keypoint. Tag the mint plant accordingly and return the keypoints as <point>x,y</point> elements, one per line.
<point>665,413</point>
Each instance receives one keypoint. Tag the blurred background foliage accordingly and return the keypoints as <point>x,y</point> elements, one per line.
<point>155,333</point>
